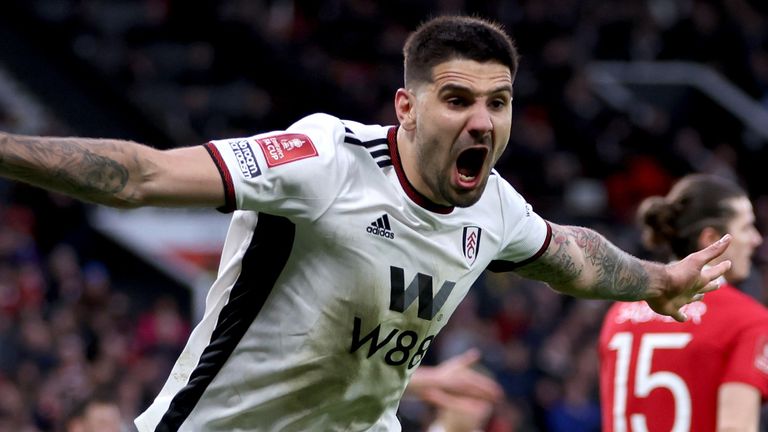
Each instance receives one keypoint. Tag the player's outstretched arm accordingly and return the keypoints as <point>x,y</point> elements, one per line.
<point>583,263</point>
<point>113,172</point>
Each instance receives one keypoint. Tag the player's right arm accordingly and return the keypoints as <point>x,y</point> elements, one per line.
<point>738,408</point>
<point>113,172</point>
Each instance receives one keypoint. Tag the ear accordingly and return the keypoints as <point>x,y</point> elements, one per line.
<point>707,236</point>
<point>405,109</point>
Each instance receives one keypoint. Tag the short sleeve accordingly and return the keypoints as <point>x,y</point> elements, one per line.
<point>748,362</point>
<point>526,234</point>
<point>292,173</point>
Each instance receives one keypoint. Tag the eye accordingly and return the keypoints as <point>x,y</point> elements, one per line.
<point>498,103</point>
<point>457,101</point>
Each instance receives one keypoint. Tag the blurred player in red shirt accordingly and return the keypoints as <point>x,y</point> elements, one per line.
<point>710,372</point>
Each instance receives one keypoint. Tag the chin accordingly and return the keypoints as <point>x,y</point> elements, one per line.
<point>737,276</point>
<point>464,204</point>
<point>467,200</point>
<point>460,197</point>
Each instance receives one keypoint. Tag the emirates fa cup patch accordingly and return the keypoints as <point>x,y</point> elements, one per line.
<point>470,242</point>
<point>285,148</point>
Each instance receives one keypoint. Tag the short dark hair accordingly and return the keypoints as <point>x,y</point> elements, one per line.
<point>695,202</point>
<point>456,37</point>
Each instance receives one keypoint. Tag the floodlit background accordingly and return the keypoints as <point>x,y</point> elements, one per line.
<point>614,101</point>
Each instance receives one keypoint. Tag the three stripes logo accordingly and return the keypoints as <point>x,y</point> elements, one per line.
<point>380,227</point>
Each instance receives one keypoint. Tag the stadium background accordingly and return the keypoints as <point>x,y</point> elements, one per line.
<point>82,312</point>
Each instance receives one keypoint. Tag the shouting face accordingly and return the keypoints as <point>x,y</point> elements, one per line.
<point>454,129</point>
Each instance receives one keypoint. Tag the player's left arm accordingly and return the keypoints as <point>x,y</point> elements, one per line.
<point>583,263</point>
<point>738,407</point>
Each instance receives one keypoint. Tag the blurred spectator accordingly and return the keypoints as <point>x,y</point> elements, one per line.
<point>162,329</point>
<point>95,414</point>
<point>577,411</point>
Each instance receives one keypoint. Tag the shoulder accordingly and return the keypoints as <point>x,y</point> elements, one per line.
<point>372,140</point>
<point>347,133</point>
<point>318,120</point>
<point>512,205</point>
<point>321,127</point>
<point>525,235</point>
<point>737,305</point>
<point>334,138</point>
<point>348,128</point>
<point>365,132</point>
<point>499,190</point>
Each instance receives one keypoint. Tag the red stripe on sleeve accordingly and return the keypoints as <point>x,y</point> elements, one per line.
<point>226,179</point>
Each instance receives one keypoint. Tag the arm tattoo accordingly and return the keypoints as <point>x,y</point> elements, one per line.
<point>580,261</point>
<point>63,164</point>
<point>618,274</point>
<point>556,267</point>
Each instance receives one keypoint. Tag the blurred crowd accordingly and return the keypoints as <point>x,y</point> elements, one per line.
<point>69,338</point>
<point>229,68</point>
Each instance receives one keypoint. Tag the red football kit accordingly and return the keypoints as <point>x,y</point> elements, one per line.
<point>660,375</point>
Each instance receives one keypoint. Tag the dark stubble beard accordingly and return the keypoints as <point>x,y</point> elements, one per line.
<point>466,199</point>
<point>438,178</point>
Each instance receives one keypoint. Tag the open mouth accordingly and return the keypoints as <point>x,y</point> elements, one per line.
<point>470,164</point>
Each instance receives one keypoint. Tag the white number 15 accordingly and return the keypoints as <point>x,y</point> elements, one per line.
<point>645,380</point>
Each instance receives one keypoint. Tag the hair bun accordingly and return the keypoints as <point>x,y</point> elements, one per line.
<point>656,217</point>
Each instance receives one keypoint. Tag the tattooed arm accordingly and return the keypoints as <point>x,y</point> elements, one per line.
<point>112,172</point>
<point>581,262</point>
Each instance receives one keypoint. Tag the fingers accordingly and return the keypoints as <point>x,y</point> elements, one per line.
<point>714,250</point>
<point>474,383</point>
<point>668,308</point>
<point>672,309</point>
<point>467,358</point>
<point>712,286</point>
<point>458,375</point>
<point>706,279</point>
<point>679,316</point>
<point>714,272</point>
<point>482,387</point>
<point>455,401</point>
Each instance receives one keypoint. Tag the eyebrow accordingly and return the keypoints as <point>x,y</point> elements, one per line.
<point>464,89</point>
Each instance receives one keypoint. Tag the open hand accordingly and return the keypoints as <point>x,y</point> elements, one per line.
<point>441,384</point>
<point>464,397</point>
<point>689,279</point>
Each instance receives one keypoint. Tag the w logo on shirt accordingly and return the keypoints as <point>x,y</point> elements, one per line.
<point>419,289</point>
<point>470,243</point>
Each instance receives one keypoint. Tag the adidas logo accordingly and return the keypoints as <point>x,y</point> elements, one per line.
<point>380,227</point>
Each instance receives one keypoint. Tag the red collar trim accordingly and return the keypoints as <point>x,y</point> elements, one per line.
<point>412,193</point>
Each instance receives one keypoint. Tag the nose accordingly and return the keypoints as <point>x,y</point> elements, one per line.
<point>480,123</point>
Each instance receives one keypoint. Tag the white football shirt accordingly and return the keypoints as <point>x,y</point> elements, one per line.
<point>335,277</point>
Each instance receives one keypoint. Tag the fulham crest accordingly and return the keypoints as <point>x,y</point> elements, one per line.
<point>470,243</point>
